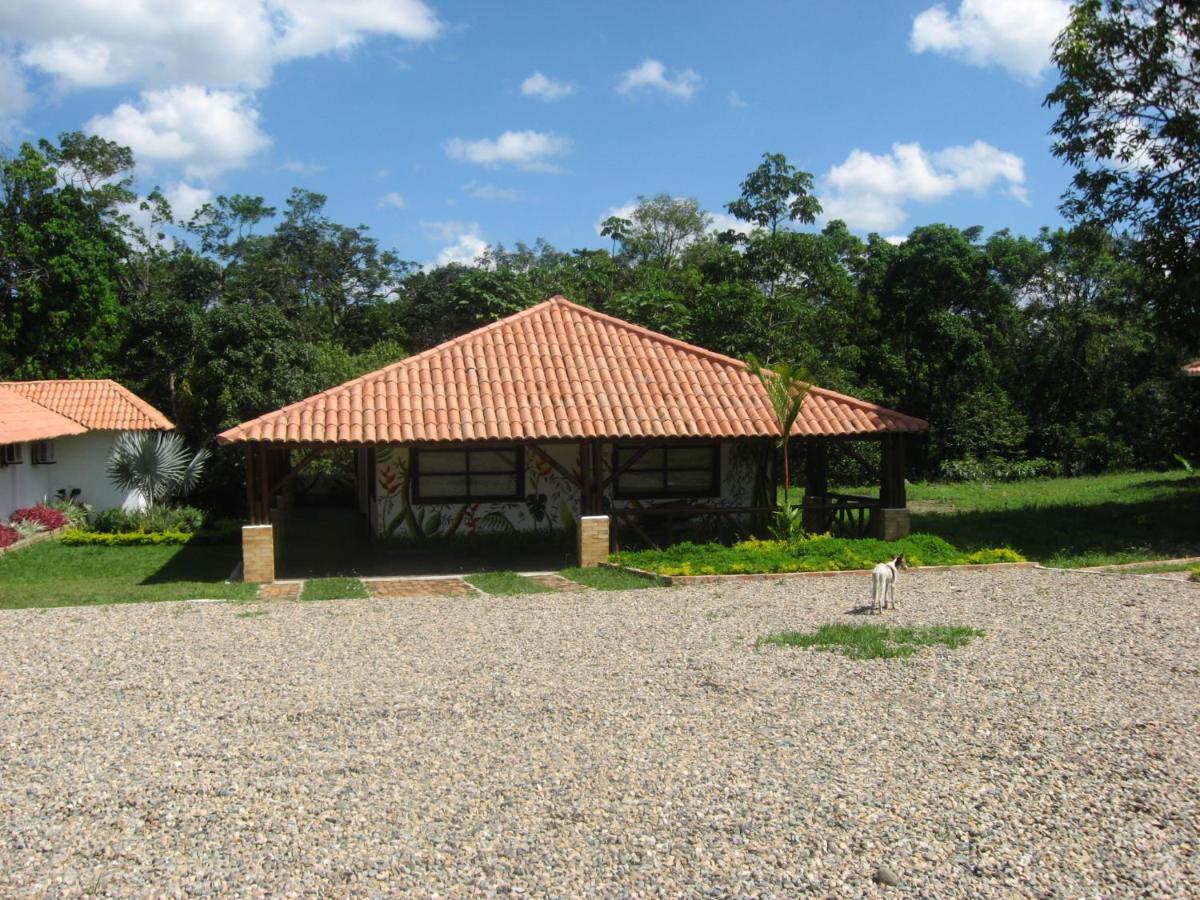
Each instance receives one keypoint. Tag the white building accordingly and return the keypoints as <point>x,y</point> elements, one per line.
<point>57,435</point>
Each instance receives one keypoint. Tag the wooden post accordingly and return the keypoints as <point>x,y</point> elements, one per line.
<point>264,486</point>
<point>585,478</point>
<point>891,476</point>
<point>251,496</point>
<point>816,483</point>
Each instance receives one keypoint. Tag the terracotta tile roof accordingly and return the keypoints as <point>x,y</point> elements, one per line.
<point>1192,368</point>
<point>23,420</point>
<point>86,404</point>
<point>558,371</point>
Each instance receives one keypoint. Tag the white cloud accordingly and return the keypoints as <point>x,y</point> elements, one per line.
<point>14,98</point>
<point>227,43</point>
<point>186,199</point>
<point>870,191</point>
<point>896,239</point>
<point>467,242</point>
<point>721,222</point>
<point>538,85</point>
<point>651,75</point>
<point>529,150</point>
<point>1013,34</point>
<point>490,192</point>
<point>392,199</point>
<point>735,100</point>
<point>205,131</point>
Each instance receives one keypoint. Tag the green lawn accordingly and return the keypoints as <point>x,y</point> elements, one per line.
<point>603,578</point>
<point>51,574</point>
<point>1087,521</point>
<point>333,589</point>
<point>503,584</point>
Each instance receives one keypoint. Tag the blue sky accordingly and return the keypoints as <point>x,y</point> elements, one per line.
<point>448,125</point>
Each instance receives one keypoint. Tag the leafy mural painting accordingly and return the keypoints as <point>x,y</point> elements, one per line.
<point>547,505</point>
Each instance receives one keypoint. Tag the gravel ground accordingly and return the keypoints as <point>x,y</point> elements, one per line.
<point>625,744</point>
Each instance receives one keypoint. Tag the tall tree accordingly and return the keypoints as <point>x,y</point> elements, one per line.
<point>63,257</point>
<point>776,193</point>
<point>1129,122</point>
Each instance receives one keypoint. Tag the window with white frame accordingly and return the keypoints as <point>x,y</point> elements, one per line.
<point>10,454</point>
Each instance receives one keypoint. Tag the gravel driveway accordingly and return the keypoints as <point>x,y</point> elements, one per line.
<point>624,744</point>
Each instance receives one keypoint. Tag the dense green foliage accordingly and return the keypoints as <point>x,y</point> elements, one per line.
<point>868,641</point>
<point>54,574</point>
<point>1053,346</point>
<point>819,553</point>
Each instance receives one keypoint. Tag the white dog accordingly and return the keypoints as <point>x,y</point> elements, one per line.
<point>883,583</point>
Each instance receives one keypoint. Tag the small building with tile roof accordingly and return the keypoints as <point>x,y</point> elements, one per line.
<point>57,435</point>
<point>1192,369</point>
<point>561,412</point>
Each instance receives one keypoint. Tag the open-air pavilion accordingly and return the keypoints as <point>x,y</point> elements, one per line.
<point>560,419</point>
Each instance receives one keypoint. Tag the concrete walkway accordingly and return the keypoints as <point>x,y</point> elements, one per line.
<point>408,587</point>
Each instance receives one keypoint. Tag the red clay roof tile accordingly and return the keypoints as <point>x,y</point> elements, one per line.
<point>87,404</point>
<point>558,371</point>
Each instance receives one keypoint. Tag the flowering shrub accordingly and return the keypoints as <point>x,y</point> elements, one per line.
<point>47,518</point>
<point>8,535</point>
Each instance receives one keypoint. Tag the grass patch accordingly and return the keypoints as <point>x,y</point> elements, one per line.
<point>606,578</point>
<point>51,574</point>
<point>333,589</point>
<point>864,641</point>
<point>1092,520</point>
<point>820,553</point>
<point>505,584</point>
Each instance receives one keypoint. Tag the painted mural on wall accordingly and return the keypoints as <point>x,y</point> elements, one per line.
<point>551,502</point>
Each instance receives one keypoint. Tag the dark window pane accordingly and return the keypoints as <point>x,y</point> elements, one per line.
<point>638,482</point>
<point>493,460</point>
<point>443,485</point>
<point>694,480</point>
<point>442,461</point>
<point>690,457</point>
<point>493,485</point>
<point>651,459</point>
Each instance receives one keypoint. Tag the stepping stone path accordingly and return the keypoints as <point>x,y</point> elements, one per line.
<point>558,583</point>
<point>280,590</point>
<point>419,587</point>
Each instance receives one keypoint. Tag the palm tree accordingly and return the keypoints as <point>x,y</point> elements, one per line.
<point>156,464</point>
<point>786,385</point>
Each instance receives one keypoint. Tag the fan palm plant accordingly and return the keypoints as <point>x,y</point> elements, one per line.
<point>786,385</point>
<point>156,464</point>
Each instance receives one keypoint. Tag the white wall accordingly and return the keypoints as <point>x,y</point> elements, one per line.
<point>80,461</point>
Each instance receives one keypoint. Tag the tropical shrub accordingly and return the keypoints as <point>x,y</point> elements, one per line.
<point>185,519</point>
<point>76,512</point>
<point>156,464</point>
<point>8,535</point>
<point>221,534</point>
<point>41,515</point>
<point>819,553</point>
<point>995,468</point>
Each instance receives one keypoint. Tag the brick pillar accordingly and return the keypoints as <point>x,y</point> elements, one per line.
<point>593,540</point>
<point>891,524</point>
<point>258,554</point>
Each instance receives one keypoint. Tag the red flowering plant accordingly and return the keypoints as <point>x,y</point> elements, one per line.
<point>41,515</point>
<point>8,535</point>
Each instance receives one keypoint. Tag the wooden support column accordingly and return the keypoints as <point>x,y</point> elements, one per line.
<point>891,475</point>
<point>264,485</point>
<point>251,496</point>
<point>816,482</point>
<point>585,478</point>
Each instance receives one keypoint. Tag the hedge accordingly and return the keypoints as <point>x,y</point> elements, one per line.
<point>820,553</point>
<point>77,538</point>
